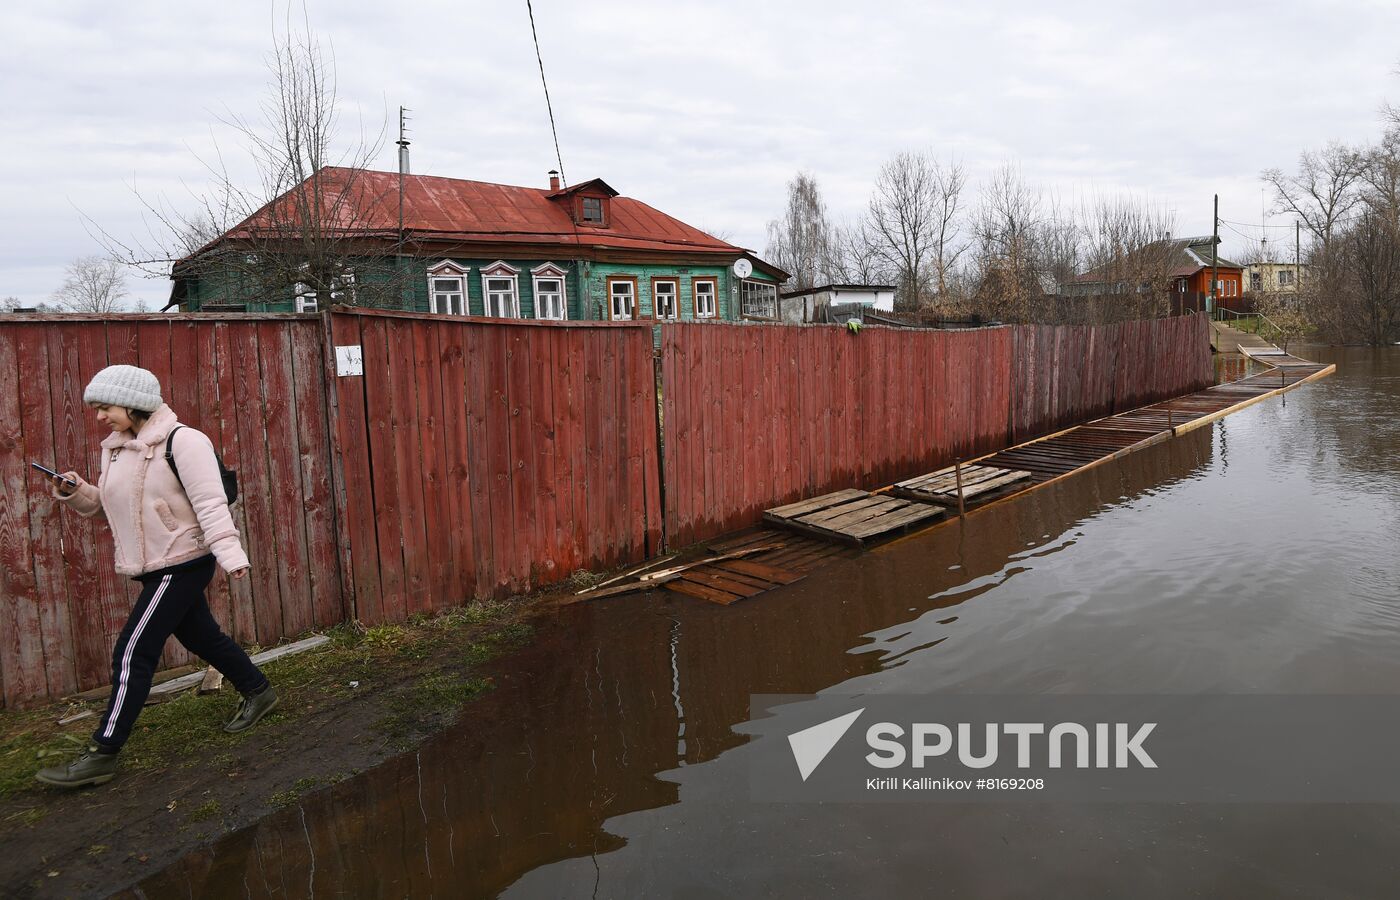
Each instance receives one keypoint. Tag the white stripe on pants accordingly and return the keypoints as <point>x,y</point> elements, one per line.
<point>126,657</point>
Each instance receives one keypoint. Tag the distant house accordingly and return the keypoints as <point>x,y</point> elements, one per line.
<point>1183,263</point>
<point>813,304</point>
<point>580,253</point>
<point>1274,278</point>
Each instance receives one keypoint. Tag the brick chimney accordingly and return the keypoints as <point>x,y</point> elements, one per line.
<point>553,180</point>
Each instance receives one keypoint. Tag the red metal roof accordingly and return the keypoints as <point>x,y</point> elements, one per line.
<point>456,210</point>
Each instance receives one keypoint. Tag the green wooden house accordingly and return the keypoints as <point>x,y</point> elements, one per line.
<point>452,247</point>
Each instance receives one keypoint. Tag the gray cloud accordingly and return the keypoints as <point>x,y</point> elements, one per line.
<point>701,109</point>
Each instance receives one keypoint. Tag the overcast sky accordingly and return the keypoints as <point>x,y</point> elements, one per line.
<point>703,110</point>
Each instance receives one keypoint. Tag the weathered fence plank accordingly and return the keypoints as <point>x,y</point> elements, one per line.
<point>817,408</point>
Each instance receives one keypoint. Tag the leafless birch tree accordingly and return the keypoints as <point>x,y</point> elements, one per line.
<point>801,241</point>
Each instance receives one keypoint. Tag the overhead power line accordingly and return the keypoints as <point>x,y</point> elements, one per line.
<point>549,106</point>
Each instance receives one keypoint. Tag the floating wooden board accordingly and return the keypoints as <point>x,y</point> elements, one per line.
<point>979,483</point>
<point>727,581</point>
<point>853,517</point>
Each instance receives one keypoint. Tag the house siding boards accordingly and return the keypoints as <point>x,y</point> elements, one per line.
<point>476,295</point>
<point>586,295</point>
<point>1229,281</point>
<point>596,289</point>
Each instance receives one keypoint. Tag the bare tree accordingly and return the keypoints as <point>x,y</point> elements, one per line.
<point>1128,248</point>
<point>915,214</point>
<point>14,304</point>
<point>92,284</point>
<point>1323,192</point>
<point>313,225</point>
<point>1380,174</point>
<point>947,248</point>
<point>1008,226</point>
<point>857,257</point>
<point>1364,274</point>
<point>801,240</point>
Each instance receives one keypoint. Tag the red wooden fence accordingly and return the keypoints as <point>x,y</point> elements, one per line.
<point>760,415</point>
<point>256,386</point>
<point>481,456</point>
<point>1066,374</point>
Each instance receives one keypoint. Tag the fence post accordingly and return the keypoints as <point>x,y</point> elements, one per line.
<point>957,474</point>
<point>340,507</point>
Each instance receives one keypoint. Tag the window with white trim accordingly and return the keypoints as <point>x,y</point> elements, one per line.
<point>665,298</point>
<point>622,298</point>
<point>500,297</point>
<point>499,291</point>
<point>342,290</point>
<point>449,297</point>
<point>549,293</point>
<point>549,298</point>
<point>343,287</point>
<point>447,289</point>
<point>1285,277</point>
<point>706,291</point>
<point>760,299</point>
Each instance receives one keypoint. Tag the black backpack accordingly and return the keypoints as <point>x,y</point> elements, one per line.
<point>230,478</point>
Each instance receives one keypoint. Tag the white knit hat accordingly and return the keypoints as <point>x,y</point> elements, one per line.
<point>130,387</point>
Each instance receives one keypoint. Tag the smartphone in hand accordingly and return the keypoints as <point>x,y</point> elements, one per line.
<point>54,475</point>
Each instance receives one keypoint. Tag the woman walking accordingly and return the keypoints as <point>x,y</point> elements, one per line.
<point>170,523</point>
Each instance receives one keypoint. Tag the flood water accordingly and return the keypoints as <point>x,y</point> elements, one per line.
<point>1257,555</point>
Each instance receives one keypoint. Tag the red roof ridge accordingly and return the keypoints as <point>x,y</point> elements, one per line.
<point>481,211</point>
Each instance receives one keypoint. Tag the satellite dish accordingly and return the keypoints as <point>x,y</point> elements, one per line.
<point>743,268</point>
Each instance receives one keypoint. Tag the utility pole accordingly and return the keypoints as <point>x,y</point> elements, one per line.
<point>1214,261</point>
<point>403,171</point>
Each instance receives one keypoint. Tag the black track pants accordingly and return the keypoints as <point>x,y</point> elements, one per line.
<point>172,602</point>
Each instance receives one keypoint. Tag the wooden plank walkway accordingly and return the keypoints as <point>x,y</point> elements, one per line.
<point>1038,462</point>
<point>728,581</point>
<point>1109,438</point>
<point>854,517</point>
<point>980,484</point>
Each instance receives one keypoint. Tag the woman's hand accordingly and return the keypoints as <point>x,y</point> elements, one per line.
<point>69,487</point>
<point>240,574</point>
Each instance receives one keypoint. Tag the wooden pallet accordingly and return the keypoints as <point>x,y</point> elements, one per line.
<point>979,484</point>
<point>853,517</point>
<point>731,580</point>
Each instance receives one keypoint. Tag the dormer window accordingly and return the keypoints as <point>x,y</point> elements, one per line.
<point>587,203</point>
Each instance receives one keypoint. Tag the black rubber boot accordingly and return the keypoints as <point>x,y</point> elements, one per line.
<point>89,768</point>
<point>252,709</point>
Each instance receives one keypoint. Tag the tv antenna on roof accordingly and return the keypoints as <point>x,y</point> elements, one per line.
<point>403,139</point>
<point>403,168</point>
